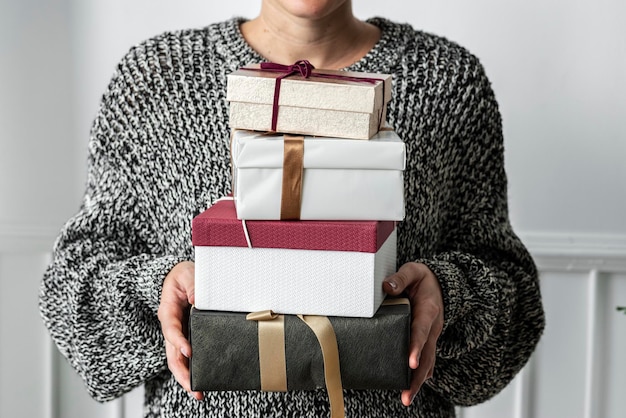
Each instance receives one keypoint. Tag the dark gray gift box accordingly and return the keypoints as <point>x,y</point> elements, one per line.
<point>373,352</point>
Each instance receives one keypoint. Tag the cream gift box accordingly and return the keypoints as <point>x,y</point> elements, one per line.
<point>353,105</point>
<point>342,179</point>
<point>293,267</point>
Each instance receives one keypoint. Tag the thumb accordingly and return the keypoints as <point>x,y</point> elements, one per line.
<point>394,284</point>
<point>398,282</point>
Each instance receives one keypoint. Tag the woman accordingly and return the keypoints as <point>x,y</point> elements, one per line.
<point>121,281</point>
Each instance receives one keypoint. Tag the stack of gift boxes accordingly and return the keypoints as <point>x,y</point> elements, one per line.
<point>308,235</point>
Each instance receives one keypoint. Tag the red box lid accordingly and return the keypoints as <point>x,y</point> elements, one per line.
<point>218,226</point>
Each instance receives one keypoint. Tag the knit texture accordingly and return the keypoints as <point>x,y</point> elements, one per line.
<point>159,154</point>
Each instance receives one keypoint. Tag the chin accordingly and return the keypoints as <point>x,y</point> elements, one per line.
<point>313,9</point>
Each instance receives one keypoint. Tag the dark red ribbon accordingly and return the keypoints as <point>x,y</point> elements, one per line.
<point>305,69</point>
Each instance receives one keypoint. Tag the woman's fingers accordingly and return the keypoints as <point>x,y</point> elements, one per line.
<point>172,317</point>
<point>424,370</point>
<point>420,284</point>
<point>176,298</point>
<point>179,366</point>
<point>423,345</point>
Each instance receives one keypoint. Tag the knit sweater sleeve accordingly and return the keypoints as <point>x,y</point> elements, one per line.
<point>101,291</point>
<point>493,311</point>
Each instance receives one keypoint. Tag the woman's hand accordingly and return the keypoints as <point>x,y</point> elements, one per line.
<point>424,292</point>
<point>176,298</point>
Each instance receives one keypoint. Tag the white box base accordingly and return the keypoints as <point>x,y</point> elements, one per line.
<point>288,281</point>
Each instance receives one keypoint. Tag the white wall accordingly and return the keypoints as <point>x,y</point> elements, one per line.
<point>559,72</point>
<point>37,155</point>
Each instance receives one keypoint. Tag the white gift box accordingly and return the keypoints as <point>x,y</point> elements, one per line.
<point>287,269</point>
<point>342,108</point>
<point>342,179</point>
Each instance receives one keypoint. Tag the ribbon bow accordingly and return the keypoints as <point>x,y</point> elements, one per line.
<point>304,67</point>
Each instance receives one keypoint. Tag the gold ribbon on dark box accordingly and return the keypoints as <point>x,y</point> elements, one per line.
<point>372,352</point>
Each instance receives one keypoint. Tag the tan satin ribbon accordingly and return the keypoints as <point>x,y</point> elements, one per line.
<point>396,301</point>
<point>272,363</point>
<point>325,334</point>
<point>293,168</point>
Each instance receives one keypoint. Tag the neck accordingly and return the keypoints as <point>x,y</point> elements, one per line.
<point>333,40</point>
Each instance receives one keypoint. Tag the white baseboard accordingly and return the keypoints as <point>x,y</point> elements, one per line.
<point>577,251</point>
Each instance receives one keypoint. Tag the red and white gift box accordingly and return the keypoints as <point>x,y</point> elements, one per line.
<point>332,268</point>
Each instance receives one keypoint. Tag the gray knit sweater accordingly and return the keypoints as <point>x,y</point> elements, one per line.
<point>159,154</point>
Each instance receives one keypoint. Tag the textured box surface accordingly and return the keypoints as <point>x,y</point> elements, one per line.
<point>373,352</point>
<point>342,179</point>
<point>295,267</point>
<point>313,106</point>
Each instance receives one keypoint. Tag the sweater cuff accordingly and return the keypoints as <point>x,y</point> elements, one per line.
<point>150,277</point>
<point>452,284</point>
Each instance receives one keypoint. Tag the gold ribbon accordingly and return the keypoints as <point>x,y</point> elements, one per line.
<point>325,334</point>
<point>293,168</point>
<point>395,301</point>
<point>272,363</point>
